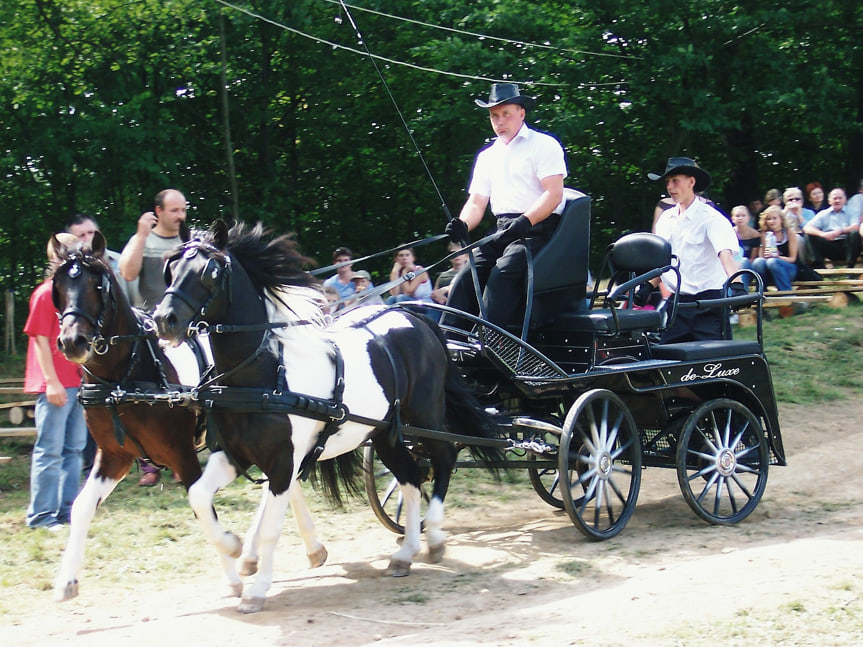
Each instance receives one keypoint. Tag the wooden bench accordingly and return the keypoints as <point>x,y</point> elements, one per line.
<point>836,290</point>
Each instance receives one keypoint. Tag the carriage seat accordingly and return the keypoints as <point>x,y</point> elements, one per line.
<point>630,261</point>
<point>560,268</point>
<point>702,350</point>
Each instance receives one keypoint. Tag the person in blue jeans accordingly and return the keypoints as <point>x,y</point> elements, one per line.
<point>777,263</point>
<point>55,468</point>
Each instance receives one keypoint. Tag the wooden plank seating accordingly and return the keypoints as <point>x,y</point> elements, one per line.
<point>838,289</point>
<point>17,432</point>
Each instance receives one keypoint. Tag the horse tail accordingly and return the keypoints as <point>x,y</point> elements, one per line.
<point>338,477</point>
<point>465,416</point>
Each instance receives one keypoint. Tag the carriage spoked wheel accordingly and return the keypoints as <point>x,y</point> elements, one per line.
<point>600,464</point>
<point>722,461</point>
<point>384,495</point>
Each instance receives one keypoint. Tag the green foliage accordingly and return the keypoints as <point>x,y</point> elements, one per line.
<point>105,102</point>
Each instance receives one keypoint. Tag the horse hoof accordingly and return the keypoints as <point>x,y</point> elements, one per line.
<point>318,558</point>
<point>249,567</point>
<point>233,545</point>
<point>251,605</point>
<point>66,592</point>
<point>399,568</point>
<point>436,553</point>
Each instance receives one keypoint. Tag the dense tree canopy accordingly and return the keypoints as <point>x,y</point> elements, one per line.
<point>106,102</point>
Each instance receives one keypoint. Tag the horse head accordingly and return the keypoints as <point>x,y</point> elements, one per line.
<point>198,276</point>
<point>83,295</point>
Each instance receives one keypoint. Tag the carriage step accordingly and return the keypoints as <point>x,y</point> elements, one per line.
<point>534,446</point>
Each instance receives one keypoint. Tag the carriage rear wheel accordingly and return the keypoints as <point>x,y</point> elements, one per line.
<point>722,461</point>
<point>385,497</point>
<point>600,464</point>
<point>545,479</point>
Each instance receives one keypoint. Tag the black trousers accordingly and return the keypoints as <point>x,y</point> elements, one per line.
<point>692,324</point>
<point>501,269</point>
<point>842,250</point>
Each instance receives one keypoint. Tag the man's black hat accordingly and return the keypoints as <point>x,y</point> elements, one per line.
<point>684,166</point>
<point>505,93</point>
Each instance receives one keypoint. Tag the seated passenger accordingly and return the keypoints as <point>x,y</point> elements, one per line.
<point>704,241</point>
<point>520,176</point>
<point>777,262</point>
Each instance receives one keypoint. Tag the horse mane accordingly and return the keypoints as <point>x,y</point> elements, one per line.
<point>277,269</point>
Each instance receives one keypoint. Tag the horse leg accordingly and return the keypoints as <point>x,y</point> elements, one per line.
<point>315,550</point>
<point>401,560</point>
<point>443,461</point>
<point>95,490</point>
<point>406,471</point>
<point>249,557</point>
<point>272,519</point>
<point>217,474</point>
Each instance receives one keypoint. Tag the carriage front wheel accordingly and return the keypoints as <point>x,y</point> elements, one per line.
<point>385,497</point>
<point>722,461</point>
<point>600,464</point>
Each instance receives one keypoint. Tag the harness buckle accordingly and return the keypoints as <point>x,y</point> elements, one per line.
<point>100,345</point>
<point>197,328</point>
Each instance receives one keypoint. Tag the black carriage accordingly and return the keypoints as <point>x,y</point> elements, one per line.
<point>587,398</point>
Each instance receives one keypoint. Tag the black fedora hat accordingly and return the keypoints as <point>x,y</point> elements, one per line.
<point>684,166</point>
<point>505,93</point>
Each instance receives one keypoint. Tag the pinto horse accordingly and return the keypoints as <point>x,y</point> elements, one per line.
<point>133,402</point>
<point>339,385</point>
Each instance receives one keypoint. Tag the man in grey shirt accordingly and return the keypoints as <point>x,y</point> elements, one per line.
<point>158,232</point>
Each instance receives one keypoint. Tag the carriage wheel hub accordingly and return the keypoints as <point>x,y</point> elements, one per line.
<point>726,462</point>
<point>604,465</point>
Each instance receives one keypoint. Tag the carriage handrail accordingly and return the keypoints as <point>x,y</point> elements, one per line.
<point>756,298</point>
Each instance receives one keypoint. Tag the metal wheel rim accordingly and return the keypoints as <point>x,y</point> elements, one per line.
<point>722,461</point>
<point>600,456</point>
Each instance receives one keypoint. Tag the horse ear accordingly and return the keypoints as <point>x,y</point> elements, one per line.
<point>58,249</point>
<point>219,230</point>
<point>97,245</point>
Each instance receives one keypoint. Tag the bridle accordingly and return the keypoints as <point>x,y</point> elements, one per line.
<point>73,268</point>
<point>216,278</point>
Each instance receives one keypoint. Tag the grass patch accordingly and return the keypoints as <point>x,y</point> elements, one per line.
<point>816,356</point>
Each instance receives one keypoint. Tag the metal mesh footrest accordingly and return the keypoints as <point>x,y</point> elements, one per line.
<point>517,358</point>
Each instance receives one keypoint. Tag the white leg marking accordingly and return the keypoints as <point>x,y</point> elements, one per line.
<point>271,527</point>
<point>83,511</point>
<point>249,558</point>
<point>435,536</point>
<point>217,474</point>
<point>315,550</point>
<point>400,562</point>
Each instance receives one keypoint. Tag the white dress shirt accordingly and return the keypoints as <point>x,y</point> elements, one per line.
<point>511,175</point>
<point>697,235</point>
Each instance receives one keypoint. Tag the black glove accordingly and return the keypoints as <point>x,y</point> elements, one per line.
<point>642,295</point>
<point>456,229</point>
<point>737,289</point>
<point>514,229</point>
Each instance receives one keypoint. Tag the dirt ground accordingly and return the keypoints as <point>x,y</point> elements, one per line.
<point>522,574</point>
